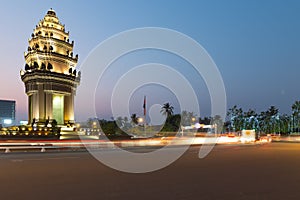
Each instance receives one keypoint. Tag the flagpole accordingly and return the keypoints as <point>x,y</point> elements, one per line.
<point>145,112</point>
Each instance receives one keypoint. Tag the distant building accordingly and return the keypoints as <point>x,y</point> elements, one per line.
<point>49,74</point>
<point>7,112</point>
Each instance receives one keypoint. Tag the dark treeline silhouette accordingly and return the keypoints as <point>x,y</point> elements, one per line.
<point>265,122</point>
<point>269,121</point>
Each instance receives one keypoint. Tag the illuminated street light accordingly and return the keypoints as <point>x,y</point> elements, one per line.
<point>140,120</point>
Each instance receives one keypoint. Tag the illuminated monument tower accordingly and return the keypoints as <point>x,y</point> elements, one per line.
<point>50,76</point>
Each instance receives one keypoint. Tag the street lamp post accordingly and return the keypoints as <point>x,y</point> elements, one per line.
<point>193,119</point>
<point>141,120</point>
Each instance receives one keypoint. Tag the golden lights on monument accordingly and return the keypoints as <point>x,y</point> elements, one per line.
<point>50,43</point>
<point>49,75</point>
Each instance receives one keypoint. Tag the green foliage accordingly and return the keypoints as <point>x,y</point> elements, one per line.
<point>269,121</point>
<point>236,118</point>
<point>167,109</point>
<point>296,116</point>
<point>172,123</point>
<point>110,128</point>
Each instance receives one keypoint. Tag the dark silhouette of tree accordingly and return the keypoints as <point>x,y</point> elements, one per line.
<point>236,118</point>
<point>134,119</point>
<point>172,123</point>
<point>250,119</point>
<point>167,109</point>
<point>268,120</point>
<point>108,127</point>
<point>284,124</point>
<point>296,116</point>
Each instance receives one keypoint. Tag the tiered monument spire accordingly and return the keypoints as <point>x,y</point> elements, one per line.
<point>50,76</point>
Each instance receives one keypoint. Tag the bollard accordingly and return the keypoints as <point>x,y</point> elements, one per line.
<point>7,150</point>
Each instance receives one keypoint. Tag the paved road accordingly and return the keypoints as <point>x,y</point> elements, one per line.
<point>270,171</point>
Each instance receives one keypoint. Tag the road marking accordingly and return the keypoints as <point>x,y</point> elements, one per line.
<point>42,159</point>
<point>17,160</point>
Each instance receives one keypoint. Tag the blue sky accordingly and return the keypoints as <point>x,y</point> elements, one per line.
<point>255,44</point>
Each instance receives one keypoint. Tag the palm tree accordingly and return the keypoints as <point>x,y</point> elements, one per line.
<point>167,109</point>
<point>236,118</point>
<point>296,114</point>
<point>273,114</point>
<point>262,121</point>
<point>284,124</point>
<point>250,119</point>
<point>269,120</point>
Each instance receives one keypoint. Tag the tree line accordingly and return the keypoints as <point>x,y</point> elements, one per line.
<point>269,121</point>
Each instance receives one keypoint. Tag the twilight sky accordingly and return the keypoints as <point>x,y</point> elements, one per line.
<point>255,44</point>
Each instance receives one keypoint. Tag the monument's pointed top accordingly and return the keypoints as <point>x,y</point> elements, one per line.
<point>51,12</point>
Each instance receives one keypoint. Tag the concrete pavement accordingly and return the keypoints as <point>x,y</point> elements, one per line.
<point>269,171</point>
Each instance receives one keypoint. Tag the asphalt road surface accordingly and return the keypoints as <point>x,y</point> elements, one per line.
<point>269,171</point>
